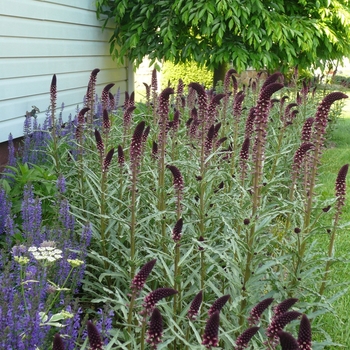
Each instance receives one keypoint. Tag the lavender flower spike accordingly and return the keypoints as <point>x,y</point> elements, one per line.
<point>94,337</point>
<point>139,280</point>
<point>155,330</point>
<point>211,332</point>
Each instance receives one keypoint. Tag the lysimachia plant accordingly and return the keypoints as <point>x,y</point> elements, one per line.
<point>209,196</point>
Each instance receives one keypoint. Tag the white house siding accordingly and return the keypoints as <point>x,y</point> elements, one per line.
<point>39,38</point>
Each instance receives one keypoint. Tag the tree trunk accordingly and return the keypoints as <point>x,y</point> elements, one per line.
<point>219,73</point>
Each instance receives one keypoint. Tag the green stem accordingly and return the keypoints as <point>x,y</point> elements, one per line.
<point>330,253</point>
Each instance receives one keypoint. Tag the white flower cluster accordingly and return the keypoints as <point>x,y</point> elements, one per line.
<point>50,254</point>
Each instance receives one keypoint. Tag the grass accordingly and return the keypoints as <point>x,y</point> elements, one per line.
<point>338,154</point>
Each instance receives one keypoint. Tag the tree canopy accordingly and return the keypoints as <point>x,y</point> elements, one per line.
<point>247,33</point>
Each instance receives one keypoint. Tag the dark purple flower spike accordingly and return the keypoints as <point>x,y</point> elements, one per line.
<point>258,309</point>
<point>107,161</point>
<point>105,96</point>
<point>218,304</point>
<point>177,231</point>
<point>195,306</point>
<point>243,340</point>
<point>340,185</point>
<point>153,297</point>
<point>57,342</point>
<point>304,336</point>
<point>155,330</point>
<point>211,332</point>
<point>94,337</point>
<point>139,280</point>
<point>287,341</point>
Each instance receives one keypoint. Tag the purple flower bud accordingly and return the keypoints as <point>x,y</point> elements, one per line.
<point>155,330</point>
<point>178,181</point>
<point>127,116</point>
<point>176,236</point>
<point>107,160</point>
<point>106,122</point>
<point>304,336</point>
<point>258,309</point>
<point>307,128</point>
<point>271,80</point>
<point>243,340</point>
<point>208,144</point>
<point>195,305</point>
<point>148,92</point>
<point>57,342</point>
<point>278,323</point>
<point>287,341</point>
<point>211,332</point>
<point>218,304</point>
<point>202,98</point>
<point>164,103</point>
<point>139,280</point>
<point>53,95</point>
<point>94,337</point>
<point>136,145</point>
<point>150,300</point>
<point>284,306</point>
<point>300,155</point>
<point>81,115</point>
<point>105,96</point>
<point>99,142</point>
<point>121,158</point>
<point>340,185</point>
<point>244,154</point>
<point>228,75</point>
<point>154,150</point>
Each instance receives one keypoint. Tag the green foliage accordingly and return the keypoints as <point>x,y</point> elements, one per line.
<point>255,33</point>
<point>188,72</point>
<point>240,218</point>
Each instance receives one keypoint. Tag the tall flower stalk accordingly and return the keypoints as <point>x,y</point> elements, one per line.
<point>340,191</point>
<point>163,111</point>
<point>135,161</point>
<point>261,118</point>
<point>317,138</point>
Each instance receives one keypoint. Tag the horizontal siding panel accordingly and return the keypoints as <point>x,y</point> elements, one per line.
<point>29,67</point>
<point>44,11</point>
<point>48,47</point>
<point>15,88</point>
<point>81,4</point>
<point>13,27</point>
<point>39,38</point>
<point>71,99</point>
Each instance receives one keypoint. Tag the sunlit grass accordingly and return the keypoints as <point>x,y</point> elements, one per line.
<point>336,155</point>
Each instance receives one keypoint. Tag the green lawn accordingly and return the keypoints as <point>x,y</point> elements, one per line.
<point>336,155</point>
